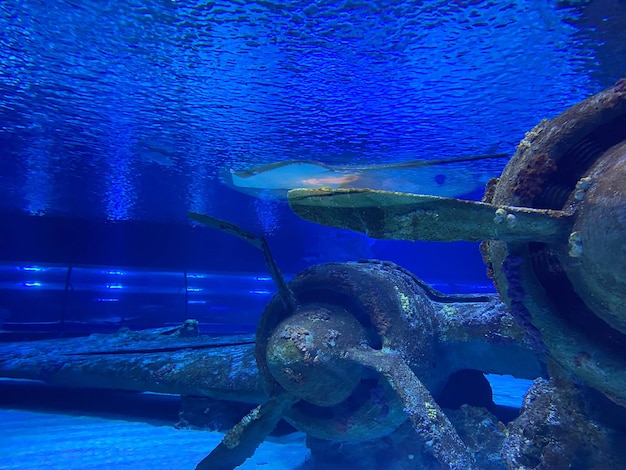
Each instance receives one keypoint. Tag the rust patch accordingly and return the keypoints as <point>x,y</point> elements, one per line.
<point>530,180</point>
<point>490,190</point>
<point>294,376</point>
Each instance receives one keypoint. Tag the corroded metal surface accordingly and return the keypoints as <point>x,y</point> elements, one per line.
<point>151,360</point>
<point>390,339</point>
<point>572,293</point>
<point>369,346</point>
<point>563,426</point>
<point>435,334</point>
<point>596,260</point>
<point>555,231</point>
<point>554,226</point>
<point>403,216</point>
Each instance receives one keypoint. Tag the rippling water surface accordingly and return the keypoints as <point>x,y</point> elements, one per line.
<point>128,109</point>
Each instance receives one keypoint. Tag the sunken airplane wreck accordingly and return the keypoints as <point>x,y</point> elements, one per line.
<point>367,359</point>
<point>345,352</point>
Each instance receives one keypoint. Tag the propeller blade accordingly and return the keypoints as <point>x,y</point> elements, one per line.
<point>425,415</point>
<point>405,216</point>
<point>241,441</point>
<point>254,240</point>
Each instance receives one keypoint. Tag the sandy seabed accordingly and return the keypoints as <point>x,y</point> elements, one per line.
<point>32,440</point>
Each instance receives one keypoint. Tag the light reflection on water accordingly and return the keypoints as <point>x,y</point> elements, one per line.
<point>194,87</point>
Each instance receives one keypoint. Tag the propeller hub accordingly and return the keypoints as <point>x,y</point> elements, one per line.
<point>305,354</point>
<point>596,258</point>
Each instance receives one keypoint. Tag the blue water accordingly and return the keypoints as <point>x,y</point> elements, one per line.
<point>117,117</point>
<point>124,110</point>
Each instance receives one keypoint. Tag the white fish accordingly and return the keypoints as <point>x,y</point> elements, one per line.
<point>444,177</point>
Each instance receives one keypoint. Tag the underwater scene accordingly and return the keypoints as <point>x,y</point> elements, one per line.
<point>309,235</point>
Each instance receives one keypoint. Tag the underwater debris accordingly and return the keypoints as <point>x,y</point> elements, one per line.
<point>552,222</point>
<point>558,427</point>
<point>530,180</point>
<point>158,360</point>
<point>404,216</point>
<point>565,279</point>
<point>384,327</point>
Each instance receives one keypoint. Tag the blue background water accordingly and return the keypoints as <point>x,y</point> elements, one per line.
<point>89,87</point>
<point>117,116</point>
